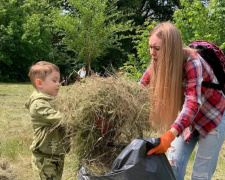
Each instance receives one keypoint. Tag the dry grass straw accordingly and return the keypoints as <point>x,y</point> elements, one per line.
<point>102,114</point>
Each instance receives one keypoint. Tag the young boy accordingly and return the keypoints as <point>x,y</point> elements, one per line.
<point>49,142</point>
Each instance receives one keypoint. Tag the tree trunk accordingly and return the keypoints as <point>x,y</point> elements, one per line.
<point>89,65</point>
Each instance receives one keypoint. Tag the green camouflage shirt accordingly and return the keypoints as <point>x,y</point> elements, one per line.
<point>46,140</point>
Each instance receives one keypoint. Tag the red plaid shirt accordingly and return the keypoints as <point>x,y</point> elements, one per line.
<point>145,80</point>
<point>203,108</point>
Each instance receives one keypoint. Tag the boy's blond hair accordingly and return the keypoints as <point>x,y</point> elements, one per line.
<point>41,70</point>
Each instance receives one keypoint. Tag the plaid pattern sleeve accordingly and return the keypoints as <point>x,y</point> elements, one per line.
<point>203,107</point>
<point>192,101</point>
<point>145,80</point>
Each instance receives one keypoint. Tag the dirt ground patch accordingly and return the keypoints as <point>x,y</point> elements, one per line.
<point>6,171</point>
<point>19,169</point>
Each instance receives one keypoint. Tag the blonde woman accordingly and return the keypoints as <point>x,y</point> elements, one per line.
<point>190,112</point>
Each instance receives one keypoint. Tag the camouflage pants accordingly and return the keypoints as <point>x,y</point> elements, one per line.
<point>47,168</point>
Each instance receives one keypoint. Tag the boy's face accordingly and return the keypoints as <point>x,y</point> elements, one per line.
<point>50,85</point>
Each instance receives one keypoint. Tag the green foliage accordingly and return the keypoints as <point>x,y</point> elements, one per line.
<point>143,10</point>
<point>25,37</point>
<point>137,64</point>
<point>198,22</point>
<point>90,28</point>
<point>195,21</point>
<point>131,68</point>
<point>97,33</point>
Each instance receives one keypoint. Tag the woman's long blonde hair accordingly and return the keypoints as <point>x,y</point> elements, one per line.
<point>166,77</point>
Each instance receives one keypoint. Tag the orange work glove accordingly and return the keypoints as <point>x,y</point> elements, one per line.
<point>165,142</point>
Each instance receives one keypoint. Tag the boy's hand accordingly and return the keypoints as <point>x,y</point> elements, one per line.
<point>165,142</point>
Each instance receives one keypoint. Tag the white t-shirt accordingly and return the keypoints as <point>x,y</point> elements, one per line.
<point>82,73</point>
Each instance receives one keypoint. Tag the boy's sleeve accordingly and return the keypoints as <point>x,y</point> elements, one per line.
<point>43,111</point>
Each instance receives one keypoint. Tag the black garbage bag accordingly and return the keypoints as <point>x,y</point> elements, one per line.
<point>134,164</point>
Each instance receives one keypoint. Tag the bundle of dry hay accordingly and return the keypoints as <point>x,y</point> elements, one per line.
<point>102,114</point>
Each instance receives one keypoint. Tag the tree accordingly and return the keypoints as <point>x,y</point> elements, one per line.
<point>142,10</point>
<point>25,38</point>
<point>137,64</point>
<point>199,22</point>
<point>89,28</point>
<point>196,20</point>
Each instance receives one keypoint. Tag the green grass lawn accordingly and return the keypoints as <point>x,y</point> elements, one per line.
<point>16,137</point>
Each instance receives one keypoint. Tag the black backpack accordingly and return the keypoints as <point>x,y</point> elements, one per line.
<point>215,57</point>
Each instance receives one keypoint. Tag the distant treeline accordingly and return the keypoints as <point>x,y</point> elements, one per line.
<point>98,34</point>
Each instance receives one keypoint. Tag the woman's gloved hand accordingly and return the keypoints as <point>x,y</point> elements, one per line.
<point>165,142</point>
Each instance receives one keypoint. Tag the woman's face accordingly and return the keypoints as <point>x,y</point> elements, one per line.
<point>155,44</point>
